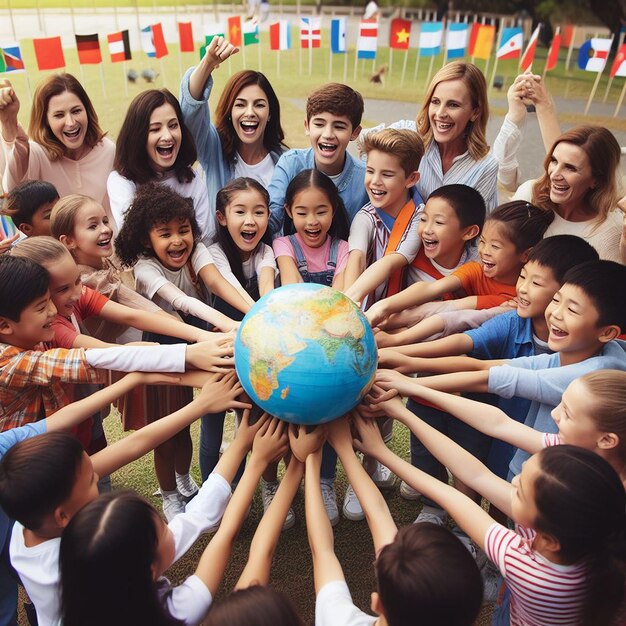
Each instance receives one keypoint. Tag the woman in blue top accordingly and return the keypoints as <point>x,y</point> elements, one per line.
<point>247,138</point>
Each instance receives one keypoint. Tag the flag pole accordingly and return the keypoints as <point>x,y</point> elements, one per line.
<point>259,49</point>
<point>345,67</point>
<point>545,67</point>
<point>417,58</point>
<point>310,57</point>
<point>430,69</point>
<point>330,66</point>
<point>621,99</point>
<point>163,79</point>
<point>124,78</point>
<point>104,90</point>
<point>278,63</point>
<point>356,61</point>
<point>596,83</point>
<point>404,64</point>
<point>495,63</point>
<point>390,62</point>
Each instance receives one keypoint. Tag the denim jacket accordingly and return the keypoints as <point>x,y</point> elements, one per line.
<point>217,170</point>
<point>351,183</point>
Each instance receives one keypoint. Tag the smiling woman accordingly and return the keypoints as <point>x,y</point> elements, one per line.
<point>579,185</point>
<point>66,146</point>
<point>155,145</point>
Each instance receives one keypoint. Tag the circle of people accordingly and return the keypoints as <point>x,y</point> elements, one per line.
<point>129,259</point>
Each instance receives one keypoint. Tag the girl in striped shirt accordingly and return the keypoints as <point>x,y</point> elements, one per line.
<point>564,562</point>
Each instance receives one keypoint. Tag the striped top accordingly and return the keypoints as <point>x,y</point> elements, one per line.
<point>541,592</point>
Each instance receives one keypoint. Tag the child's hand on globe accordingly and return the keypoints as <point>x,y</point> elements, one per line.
<point>303,443</point>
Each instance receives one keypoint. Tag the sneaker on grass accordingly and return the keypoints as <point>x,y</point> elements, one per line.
<point>383,477</point>
<point>330,501</point>
<point>268,491</point>
<point>173,504</point>
<point>432,514</point>
<point>352,509</point>
<point>408,493</point>
<point>186,486</point>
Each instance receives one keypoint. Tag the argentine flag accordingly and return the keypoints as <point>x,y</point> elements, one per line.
<point>456,39</point>
<point>431,35</point>
<point>338,35</point>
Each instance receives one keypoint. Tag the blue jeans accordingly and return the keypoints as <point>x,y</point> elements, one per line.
<point>328,470</point>
<point>467,437</point>
<point>501,612</point>
<point>211,431</point>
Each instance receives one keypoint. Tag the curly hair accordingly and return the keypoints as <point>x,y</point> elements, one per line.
<point>273,137</point>
<point>603,152</point>
<point>474,80</point>
<point>153,204</point>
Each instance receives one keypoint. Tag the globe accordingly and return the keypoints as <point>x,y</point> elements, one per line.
<point>305,353</point>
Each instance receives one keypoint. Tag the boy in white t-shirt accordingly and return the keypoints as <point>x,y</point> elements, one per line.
<point>413,565</point>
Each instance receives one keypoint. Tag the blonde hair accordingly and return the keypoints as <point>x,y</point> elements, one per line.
<point>42,249</point>
<point>608,388</point>
<point>406,145</point>
<point>603,152</point>
<point>474,80</point>
<point>64,213</point>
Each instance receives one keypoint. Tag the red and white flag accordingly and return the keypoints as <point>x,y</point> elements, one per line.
<point>280,35</point>
<point>367,43</point>
<point>553,53</point>
<point>310,32</point>
<point>619,64</point>
<point>529,54</point>
<point>119,46</point>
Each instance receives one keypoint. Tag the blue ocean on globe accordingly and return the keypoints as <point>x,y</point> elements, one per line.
<point>305,353</point>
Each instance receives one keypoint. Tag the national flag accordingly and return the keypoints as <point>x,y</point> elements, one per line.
<point>593,54</point>
<point>280,35</point>
<point>185,37</point>
<point>49,53</point>
<point>11,58</point>
<point>555,47</point>
<point>568,35</point>
<point>510,44</point>
<point>210,32</point>
<point>338,35</point>
<point>619,64</point>
<point>250,32</point>
<point>234,30</point>
<point>310,32</point>
<point>367,42</point>
<point>529,54</point>
<point>483,37</point>
<point>88,48</point>
<point>153,42</point>
<point>400,34</point>
<point>119,46</point>
<point>431,36</point>
<point>456,39</point>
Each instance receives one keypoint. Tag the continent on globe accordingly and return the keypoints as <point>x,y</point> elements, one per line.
<point>305,353</point>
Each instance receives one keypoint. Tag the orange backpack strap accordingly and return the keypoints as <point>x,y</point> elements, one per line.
<point>394,285</point>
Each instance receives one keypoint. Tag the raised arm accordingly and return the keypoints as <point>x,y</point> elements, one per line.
<point>376,274</point>
<point>379,520</point>
<point>220,393</point>
<point>13,138</point>
<point>418,293</point>
<point>456,382</point>
<point>269,445</point>
<point>289,274</point>
<point>467,514</point>
<point>265,540</point>
<point>218,285</point>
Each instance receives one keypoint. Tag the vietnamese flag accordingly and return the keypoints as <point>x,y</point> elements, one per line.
<point>49,53</point>
<point>619,64</point>
<point>234,30</point>
<point>185,35</point>
<point>400,34</point>
<point>553,53</point>
<point>88,48</point>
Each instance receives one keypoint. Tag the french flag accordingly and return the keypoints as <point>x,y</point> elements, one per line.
<point>367,42</point>
<point>338,35</point>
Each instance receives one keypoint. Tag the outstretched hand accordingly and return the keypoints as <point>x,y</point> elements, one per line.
<point>214,355</point>
<point>303,443</point>
<point>218,50</point>
<point>367,438</point>
<point>222,392</point>
<point>246,432</point>
<point>271,441</point>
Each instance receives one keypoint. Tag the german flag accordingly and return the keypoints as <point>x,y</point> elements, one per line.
<point>88,48</point>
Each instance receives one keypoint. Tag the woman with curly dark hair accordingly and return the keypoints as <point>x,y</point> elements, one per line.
<point>247,138</point>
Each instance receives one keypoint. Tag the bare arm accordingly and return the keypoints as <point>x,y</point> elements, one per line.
<point>468,515</point>
<point>289,274</point>
<point>219,393</point>
<point>376,274</point>
<point>217,284</point>
<point>418,293</point>
<point>453,345</point>
<point>265,540</point>
<point>216,52</point>
<point>266,280</point>
<point>354,268</point>
<point>9,108</point>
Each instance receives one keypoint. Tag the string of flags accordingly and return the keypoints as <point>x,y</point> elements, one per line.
<point>456,40</point>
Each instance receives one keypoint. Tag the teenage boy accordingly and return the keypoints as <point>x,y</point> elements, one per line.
<point>585,318</point>
<point>333,120</point>
<point>437,240</point>
<point>47,479</point>
<point>409,564</point>
<point>31,379</point>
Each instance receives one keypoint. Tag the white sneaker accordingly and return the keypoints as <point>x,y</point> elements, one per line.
<point>383,477</point>
<point>479,556</point>
<point>492,582</point>
<point>330,501</point>
<point>268,491</point>
<point>408,493</point>
<point>173,505</point>
<point>186,486</point>
<point>432,514</point>
<point>352,509</point>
